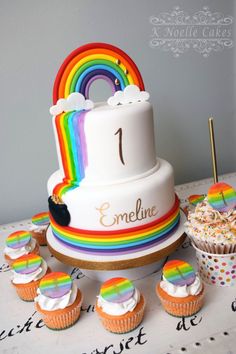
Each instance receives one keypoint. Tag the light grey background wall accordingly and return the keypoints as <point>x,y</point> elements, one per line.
<point>35,38</point>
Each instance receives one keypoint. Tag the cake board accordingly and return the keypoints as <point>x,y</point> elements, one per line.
<point>135,265</point>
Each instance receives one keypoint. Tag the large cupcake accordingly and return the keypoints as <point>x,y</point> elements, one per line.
<point>26,274</point>
<point>120,306</point>
<point>39,226</point>
<point>211,224</point>
<point>18,244</point>
<point>181,290</point>
<point>58,300</point>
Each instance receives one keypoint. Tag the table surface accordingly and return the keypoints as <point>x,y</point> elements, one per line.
<point>212,330</point>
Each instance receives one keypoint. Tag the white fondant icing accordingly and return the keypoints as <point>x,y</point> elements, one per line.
<point>156,189</point>
<point>130,94</point>
<point>107,129</point>
<point>74,102</point>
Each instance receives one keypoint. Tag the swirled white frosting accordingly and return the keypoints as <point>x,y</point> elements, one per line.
<point>181,291</point>
<point>15,253</point>
<point>49,304</point>
<point>37,228</point>
<point>117,309</point>
<point>208,224</point>
<point>18,278</point>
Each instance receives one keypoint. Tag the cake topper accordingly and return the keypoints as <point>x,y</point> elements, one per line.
<point>131,94</point>
<point>40,219</point>
<point>194,199</point>
<point>18,239</point>
<point>27,264</point>
<point>179,273</point>
<point>222,197</point>
<point>55,285</point>
<point>95,61</point>
<point>117,290</point>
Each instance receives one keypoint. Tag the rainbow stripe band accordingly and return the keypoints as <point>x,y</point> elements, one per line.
<point>90,61</point>
<point>70,131</point>
<point>118,241</point>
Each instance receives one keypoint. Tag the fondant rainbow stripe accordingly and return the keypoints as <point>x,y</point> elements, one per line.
<point>90,62</point>
<point>179,273</point>
<point>222,197</point>
<point>70,131</point>
<point>196,198</point>
<point>118,241</point>
<point>27,264</point>
<point>84,65</point>
<point>117,290</point>
<point>41,219</point>
<point>18,239</point>
<point>55,284</point>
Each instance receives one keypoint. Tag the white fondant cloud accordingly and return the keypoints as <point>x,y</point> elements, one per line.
<point>131,94</point>
<point>74,102</point>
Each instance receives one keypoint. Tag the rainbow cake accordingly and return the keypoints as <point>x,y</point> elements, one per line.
<point>111,194</point>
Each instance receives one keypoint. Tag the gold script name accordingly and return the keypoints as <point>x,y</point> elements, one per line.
<point>139,213</point>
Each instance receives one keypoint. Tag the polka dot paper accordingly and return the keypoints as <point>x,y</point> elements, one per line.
<point>218,270</point>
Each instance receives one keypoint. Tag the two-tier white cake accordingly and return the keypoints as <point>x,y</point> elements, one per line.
<point>111,195</point>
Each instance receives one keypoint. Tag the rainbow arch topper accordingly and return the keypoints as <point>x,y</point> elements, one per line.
<point>95,61</point>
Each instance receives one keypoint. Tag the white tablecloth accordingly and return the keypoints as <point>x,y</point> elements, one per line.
<point>212,330</point>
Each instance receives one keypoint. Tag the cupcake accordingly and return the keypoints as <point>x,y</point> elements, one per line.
<point>39,226</point>
<point>26,274</point>
<point>18,244</point>
<point>211,225</point>
<point>58,300</point>
<point>181,291</point>
<point>120,306</point>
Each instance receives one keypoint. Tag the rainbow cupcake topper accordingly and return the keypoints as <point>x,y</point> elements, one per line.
<point>222,197</point>
<point>117,290</point>
<point>18,239</point>
<point>55,285</point>
<point>41,219</point>
<point>179,273</point>
<point>27,264</point>
<point>196,198</point>
<point>79,70</point>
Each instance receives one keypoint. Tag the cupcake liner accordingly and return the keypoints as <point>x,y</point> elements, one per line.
<point>10,261</point>
<point>214,248</point>
<point>125,323</point>
<point>216,269</point>
<point>28,291</point>
<point>62,319</point>
<point>184,308</point>
<point>40,237</point>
